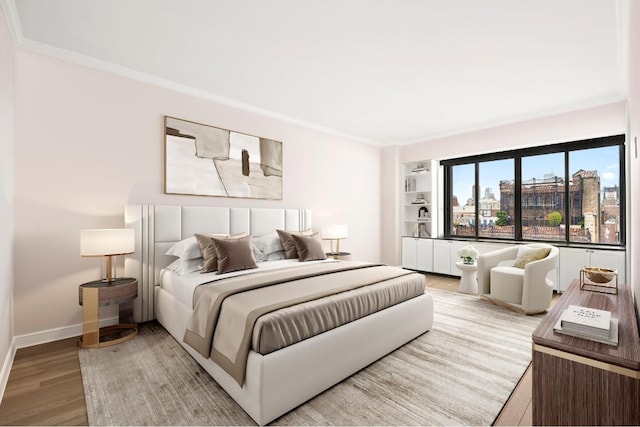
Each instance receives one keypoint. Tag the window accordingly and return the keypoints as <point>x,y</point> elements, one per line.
<point>496,202</point>
<point>463,206</point>
<point>572,192</point>
<point>542,185</point>
<point>595,186</point>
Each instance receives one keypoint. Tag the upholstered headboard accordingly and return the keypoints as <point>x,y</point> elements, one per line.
<point>157,228</point>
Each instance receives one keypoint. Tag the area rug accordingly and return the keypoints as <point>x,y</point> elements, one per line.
<point>460,373</point>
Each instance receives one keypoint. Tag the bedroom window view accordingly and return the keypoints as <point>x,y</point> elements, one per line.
<point>463,205</point>
<point>594,195</point>
<point>497,202</point>
<point>542,197</point>
<point>547,201</point>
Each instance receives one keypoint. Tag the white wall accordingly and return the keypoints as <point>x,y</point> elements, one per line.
<point>390,210</point>
<point>6,198</point>
<point>593,122</point>
<point>89,142</point>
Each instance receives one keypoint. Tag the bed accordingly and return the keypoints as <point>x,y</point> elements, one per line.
<point>279,380</point>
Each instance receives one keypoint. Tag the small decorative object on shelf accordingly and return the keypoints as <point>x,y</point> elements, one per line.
<point>409,185</point>
<point>469,254</point>
<point>419,168</point>
<point>419,200</point>
<point>423,213</point>
<point>420,230</point>
<point>599,279</point>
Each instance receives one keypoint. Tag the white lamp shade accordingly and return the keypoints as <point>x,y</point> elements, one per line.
<point>334,231</point>
<point>114,241</point>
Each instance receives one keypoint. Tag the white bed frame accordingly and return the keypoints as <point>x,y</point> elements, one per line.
<point>282,380</point>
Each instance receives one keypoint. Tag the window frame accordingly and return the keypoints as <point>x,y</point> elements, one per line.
<point>517,155</point>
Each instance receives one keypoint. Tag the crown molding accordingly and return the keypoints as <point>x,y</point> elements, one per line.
<point>518,119</point>
<point>13,21</point>
<point>111,68</point>
<point>84,60</point>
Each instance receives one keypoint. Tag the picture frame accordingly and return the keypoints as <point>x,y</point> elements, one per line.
<point>205,160</point>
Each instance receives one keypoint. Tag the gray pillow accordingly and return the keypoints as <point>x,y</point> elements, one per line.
<point>287,243</point>
<point>309,247</point>
<point>234,254</point>
<point>208,250</point>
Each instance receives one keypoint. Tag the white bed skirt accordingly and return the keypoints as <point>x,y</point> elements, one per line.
<point>282,380</point>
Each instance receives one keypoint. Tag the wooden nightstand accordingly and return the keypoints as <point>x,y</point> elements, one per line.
<point>94,294</point>
<point>342,256</point>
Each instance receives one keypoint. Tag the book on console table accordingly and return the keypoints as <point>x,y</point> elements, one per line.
<point>587,320</point>
<point>588,323</point>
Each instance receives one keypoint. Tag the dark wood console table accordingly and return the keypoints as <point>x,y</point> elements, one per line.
<point>582,382</point>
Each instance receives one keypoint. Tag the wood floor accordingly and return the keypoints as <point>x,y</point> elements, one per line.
<point>45,387</point>
<point>45,384</point>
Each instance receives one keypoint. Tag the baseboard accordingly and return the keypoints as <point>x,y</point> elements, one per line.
<point>42,337</point>
<point>6,367</point>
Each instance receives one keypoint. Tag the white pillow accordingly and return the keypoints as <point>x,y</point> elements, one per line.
<point>186,266</point>
<point>268,243</point>
<point>185,249</point>
<point>259,256</point>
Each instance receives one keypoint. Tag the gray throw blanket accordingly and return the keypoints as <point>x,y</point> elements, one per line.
<point>248,297</point>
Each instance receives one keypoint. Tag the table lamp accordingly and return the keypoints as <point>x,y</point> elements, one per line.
<point>107,243</point>
<point>335,232</point>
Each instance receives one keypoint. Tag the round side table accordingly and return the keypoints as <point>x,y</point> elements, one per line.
<point>94,294</point>
<point>343,256</point>
<point>469,277</point>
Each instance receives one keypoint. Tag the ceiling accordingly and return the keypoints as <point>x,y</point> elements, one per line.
<point>384,72</point>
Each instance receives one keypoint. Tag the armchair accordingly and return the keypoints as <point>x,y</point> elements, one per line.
<point>516,277</point>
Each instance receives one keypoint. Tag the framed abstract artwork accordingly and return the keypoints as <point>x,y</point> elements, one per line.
<point>205,160</point>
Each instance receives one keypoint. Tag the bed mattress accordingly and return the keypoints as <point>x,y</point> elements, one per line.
<point>287,326</point>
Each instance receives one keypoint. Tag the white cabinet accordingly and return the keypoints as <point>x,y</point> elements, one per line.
<point>417,254</point>
<point>418,196</point>
<point>445,256</point>
<point>573,259</point>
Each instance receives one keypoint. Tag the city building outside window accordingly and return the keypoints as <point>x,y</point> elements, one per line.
<point>571,192</point>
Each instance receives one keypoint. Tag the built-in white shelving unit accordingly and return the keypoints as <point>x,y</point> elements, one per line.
<point>419,213</point>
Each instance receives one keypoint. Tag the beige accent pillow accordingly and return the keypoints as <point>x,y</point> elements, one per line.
<point>527,255</point>
<point>287,242</point>
<point>309,248</point>
<point>234,254</point>
<point>208,250</point>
